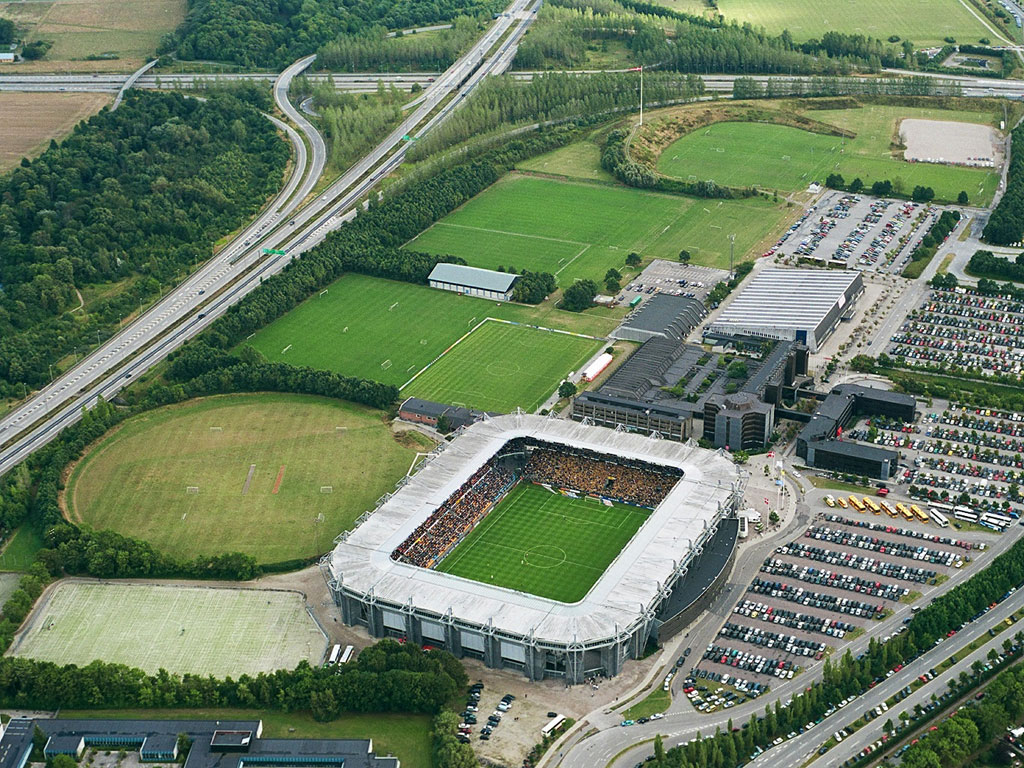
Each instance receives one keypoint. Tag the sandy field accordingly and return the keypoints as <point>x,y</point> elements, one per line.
<point>32,119</point>
<point>941,141</point>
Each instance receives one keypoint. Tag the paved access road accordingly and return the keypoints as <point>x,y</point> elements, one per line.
<point>240,267</point>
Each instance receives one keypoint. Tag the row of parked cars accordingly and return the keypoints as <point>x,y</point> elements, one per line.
<point>811,599</point>
<point>847,538</point>
<point>858,562</point>
<point>469,714</point>
<point>766,639</point>
<point>827,578</point>
<point>793,619</point>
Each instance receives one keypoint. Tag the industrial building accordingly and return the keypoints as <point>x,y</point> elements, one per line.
<point>473,281</point>
<point>802,305</point>
<point>627,607</point>
<point>662,316</point>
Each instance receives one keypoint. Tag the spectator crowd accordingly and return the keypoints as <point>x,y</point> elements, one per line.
<point>596,477</point>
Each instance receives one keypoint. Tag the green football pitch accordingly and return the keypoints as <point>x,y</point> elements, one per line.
<point>544,543</point>
<point>277,476</point>
<point>580,230</point>
<point>529,367</point>
<point>387,331</point>
<point>198,630</point>
<point>786,158</point>
<point>924,22</point>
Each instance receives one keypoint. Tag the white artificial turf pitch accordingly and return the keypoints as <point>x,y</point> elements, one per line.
<point>200,630</point>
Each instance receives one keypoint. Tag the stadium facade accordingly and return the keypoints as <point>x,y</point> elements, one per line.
<point>630,605</point>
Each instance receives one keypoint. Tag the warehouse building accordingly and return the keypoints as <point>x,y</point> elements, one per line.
<point>802,305</point>
<point>662,316</point>
<point>473,281</point>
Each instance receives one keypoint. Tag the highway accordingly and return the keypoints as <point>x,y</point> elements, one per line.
<point>241,266</point>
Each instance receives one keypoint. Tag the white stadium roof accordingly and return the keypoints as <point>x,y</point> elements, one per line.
<point>635,580</point>
<point>797,299</point>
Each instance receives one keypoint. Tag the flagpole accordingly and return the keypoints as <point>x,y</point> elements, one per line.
<point>641,95</point>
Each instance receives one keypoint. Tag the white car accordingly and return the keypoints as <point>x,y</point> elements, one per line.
<point>657,716</point>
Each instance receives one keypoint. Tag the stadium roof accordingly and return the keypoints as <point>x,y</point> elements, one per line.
<point>473,277</point>
<point>634,581</point>
<point>797,299</point>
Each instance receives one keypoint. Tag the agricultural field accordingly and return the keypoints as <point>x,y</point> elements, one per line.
<point>785,158</point>
<point>404,735</point>
<point>528,367</point>
<point>78,29</point>
<point>202,477</point>
<point>32,119</point>
<point>924,22</point>
<point>387,330</point>
<point>198,630</point>
<point>578,230</point>
<point>543,543</point>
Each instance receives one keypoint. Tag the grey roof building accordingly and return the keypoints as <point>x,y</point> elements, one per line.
<point>662,316</point>
<point>803,305</point>
<point>739,421</point>
<point>473,281</point>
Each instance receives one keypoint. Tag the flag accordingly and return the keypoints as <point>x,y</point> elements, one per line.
<point>766,501</point>
<point>771,454</point>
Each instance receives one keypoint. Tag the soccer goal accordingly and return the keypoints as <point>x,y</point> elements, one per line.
<point>326,489</point>
<point>216,429</point>
<point>386,364</point>
<point>324,292</point>
<point>787,158</point>
<point>392,306</point>
<point>192,489</point>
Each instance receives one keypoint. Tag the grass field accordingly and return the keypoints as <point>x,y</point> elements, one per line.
<point>754,153</point>
<point>406,736</point>
<point>20,551</point>
<point>925,22</point>
<point>181,629</point>
<point>543,543</point>
<point>130,29</point>
<point>529,367</point>
<point>8,585</point>
<point>581,160</point>
<point>32,119</point>
<point>135,480</point>
<point>387,331</point>
<point>657,700</point>
<point>578,230</point>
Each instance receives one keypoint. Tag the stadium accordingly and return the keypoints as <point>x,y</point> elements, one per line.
<point>553,547</point>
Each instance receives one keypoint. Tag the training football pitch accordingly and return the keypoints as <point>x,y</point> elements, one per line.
<point>580,230</point>
<point>276,476</point>
<point>544,543</point>
<point>387,330</point>
<point>501,367</point>
<point>197,630</point>
<point>788,159</point>
<point>924,22</point>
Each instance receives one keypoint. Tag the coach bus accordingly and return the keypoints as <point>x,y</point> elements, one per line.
<point>961,512</point>
<point>1000,521</point>
<point>940,519</point>
<point>870,504</point>
<point>946,509</point>
<point>335,653</point>
<point>856,504</point>
<point>919,513</point>
<point>552,726</point>
<point>346,657</point>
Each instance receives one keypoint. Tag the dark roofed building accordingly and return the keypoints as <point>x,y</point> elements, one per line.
<point>738,422</point>
<point>669,421</point>
<point>16,743</point>
<point>662,316</point>
<point>644,368</point>
<point>853,458</point>
<point>428,412</point>
<point>473,281</point>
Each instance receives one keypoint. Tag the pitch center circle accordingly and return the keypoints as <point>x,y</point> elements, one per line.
<point>503,368</point>
<point>544,556</point>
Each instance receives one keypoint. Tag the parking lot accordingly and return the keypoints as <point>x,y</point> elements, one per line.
<point>962,328</point>
<point>674,278</point>
<point>845,574</point>
<point>857,232</point>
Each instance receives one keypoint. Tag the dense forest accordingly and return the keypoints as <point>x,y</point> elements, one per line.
<point>353,123</point>
<point>373,51</point>
<point>1006,224</point>
<point>987,264</point>
<point>683,43</point>
<point>274,33</point>
<point>503,101</point>
<point>125,205</point>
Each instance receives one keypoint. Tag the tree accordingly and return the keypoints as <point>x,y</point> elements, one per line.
<point>65,761</point>
<point>566,389</point>
<point>856,185</point>
<point>612,280</point>
<point>684,256</point>
<point>773,517</point>
<point>579,296</point>
<point>613,274</point>
<point>6,31</point>
<point>922,194</point>
<point>633,259</point>
<point>444,423</point>
<point>962,198</point>
<point>659,750</point>
<point>737,369</point>
<point>835,181</point>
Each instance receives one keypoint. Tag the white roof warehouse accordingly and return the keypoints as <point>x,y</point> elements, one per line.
<point>473,281</point>
<point>803,305</point>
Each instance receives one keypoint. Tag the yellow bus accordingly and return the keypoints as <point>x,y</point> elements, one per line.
<point>841,502</point>
<point>870,504</point>
<point>901,508</point>
<point>856,504</point>
<point>919,513</point>
<point>907,514</point>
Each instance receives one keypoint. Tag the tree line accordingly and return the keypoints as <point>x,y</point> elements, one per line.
<point>1006,224</point>
<point>134,197</point>
<point>274,33</point>
<point>502,101</point>
<point>851,676</point>
<point>373,51</point>
<point>987,264</point>
<point>825,85</point>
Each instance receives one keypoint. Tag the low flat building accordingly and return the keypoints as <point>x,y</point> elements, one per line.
<point>662,316</point>
<point>427,412</point>
<point>853,458</point>
<point>801,305</point>
<point>473,281</point>
<point>668,421</point>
